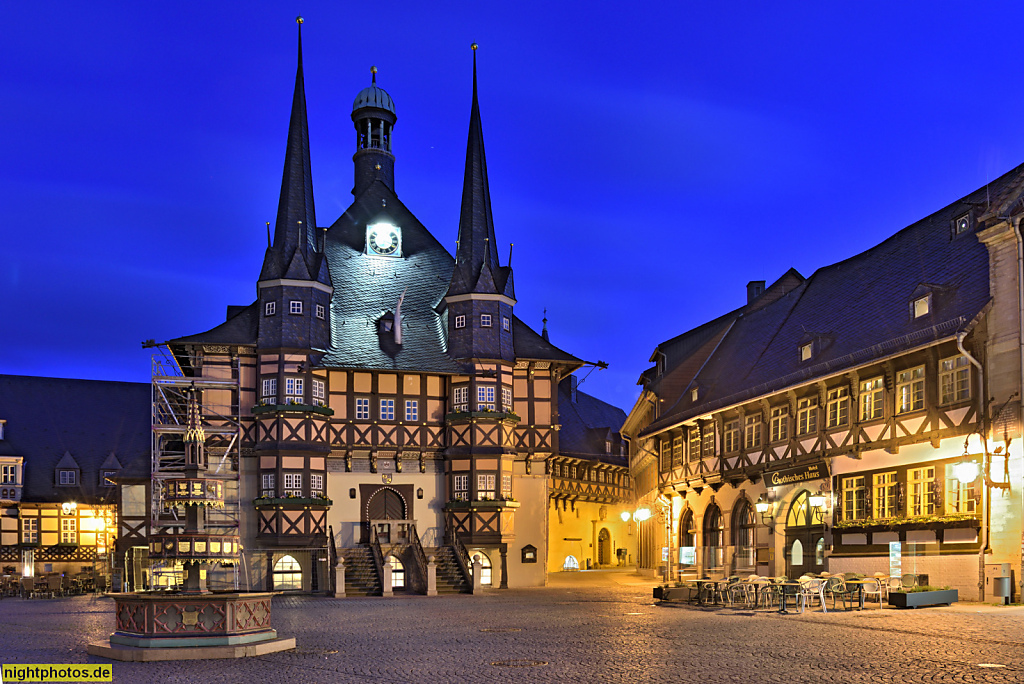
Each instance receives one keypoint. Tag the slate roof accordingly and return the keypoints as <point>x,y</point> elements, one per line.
<point>586,424</point>
<point>50,420</point>
<point>857,310</point>
<point>529,345</point>
<point>239,328</point>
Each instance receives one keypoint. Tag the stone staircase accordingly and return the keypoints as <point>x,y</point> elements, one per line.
<point>360,572</point>
<point>449,575</point>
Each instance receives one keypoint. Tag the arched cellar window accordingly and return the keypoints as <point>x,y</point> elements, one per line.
<point>287,574</point>
<point>743,534</point>
<point>397,573</point>
<point>570,563</point>
<point>714,533</point>
<point>687,546</point>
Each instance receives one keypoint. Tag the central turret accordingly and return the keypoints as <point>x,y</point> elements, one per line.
<point>373,114</point>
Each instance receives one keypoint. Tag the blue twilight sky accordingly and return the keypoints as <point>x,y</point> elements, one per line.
<point>647,160</point>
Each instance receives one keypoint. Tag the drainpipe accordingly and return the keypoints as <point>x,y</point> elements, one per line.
<point>986,499</point>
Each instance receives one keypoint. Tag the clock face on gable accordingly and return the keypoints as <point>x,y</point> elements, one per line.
<point>384,239</point>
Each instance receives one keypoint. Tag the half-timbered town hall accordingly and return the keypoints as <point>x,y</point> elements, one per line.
<point>380,403</point>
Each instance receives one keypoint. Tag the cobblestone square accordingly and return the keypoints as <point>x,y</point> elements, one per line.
<point>596,628</point>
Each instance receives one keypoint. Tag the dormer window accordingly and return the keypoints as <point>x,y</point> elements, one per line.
<point>922,306</point>
<point>961,224</point>
<point>8,474</point>
<point>67,477</point>
<point>270,309</point>
<point>4,422</point>
<point>694,394</point>
<point>106,478</point>
<point>806,351</point>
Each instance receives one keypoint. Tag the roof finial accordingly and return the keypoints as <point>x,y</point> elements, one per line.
<point>299,20</point>
<point>544,330</point>
<point>373,75</point>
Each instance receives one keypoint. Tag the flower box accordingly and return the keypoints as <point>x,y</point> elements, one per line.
<point>917,599</point>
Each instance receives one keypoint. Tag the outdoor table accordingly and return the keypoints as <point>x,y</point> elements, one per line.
<point>781,586</point>
<point>860,584</point>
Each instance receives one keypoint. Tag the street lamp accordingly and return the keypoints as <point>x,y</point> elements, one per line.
<point>642,514</point>
<point>764,508</point>
<point>625,516</point>
<point>966,470</point>
<point>818,508</point>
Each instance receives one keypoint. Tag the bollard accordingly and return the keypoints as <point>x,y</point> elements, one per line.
<point>339,578</point>
<point>431,576</point>
<point>477,570</point>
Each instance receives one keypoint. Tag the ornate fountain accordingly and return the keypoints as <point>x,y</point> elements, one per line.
<point>193,622</point>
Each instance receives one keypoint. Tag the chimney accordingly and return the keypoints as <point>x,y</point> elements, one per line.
<point>755,288</point>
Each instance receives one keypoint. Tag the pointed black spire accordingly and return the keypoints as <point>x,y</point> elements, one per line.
<point>295,230</point>
<point>477,247</point>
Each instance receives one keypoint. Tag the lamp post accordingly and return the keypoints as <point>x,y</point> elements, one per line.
<point>764,508</point>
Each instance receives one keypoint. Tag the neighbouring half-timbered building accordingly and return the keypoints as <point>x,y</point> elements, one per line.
<point>380,402</point>
<point>74,474</point>
<point>865,419</point>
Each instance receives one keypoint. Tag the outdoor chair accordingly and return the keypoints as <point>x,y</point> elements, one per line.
<point>908,581</point>
<point>53,583</point>
<point>893,584</point>
<point>837,588</point>
<point>875,588</point>
<point>28,587</point>
<point>810,590</point>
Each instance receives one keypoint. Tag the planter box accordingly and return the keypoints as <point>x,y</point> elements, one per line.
<point>673,593</point>
<point>917,599</point>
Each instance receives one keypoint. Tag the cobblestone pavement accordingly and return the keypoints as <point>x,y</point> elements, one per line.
<point>582,633</point>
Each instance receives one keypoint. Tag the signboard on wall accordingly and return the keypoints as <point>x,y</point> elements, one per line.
<point>788,476</point>
<point>688,555</point>
<point>664,554</point>
<point>895,559</point>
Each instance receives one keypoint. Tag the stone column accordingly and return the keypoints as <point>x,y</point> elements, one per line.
<point>477,570</point>
<point>504,566</point>
<point>386,581</point>
<point>339,578</point>
<point>431,576</point>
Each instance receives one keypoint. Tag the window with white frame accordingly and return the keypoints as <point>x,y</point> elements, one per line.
<point>485,398</point>
<point>807,416</point>
<point>270,308</point>
<point>922,305</point>
<point>319,392</point>
<point>316,483</point>
<point>910,390</point>
<point>362,408</point>
<point>707,442</point>
<point>838,406</point>
<point>954,379</point>
<point>961,497</point>
<point>412,410</point>
<point>506,325</point>
<point>872,399</point>
<point>665,447</point>
<point>484,487</point>
<point>106,478</point>
<point>752,431</point>
<point>884,495</point>
<point>780,423</point>
<point>29,530</point>
<point>677,450</point>
<point>920,488</point>
<point>855,496</point>
<point>321,312</point>
<point>732,436</point>
<point>387,409</point>
<point>572,472</point>
<point>485,320</point>
<point>506,398</point>
<point>460,322</point>
<point>67,477</point>
<point>506,486</point>
<point>293,390</point>
<point>460,399</point>
<point>8,474</point>
<point>269,485</point>
<point>269,391</point>
<point>460,487</point>
<point>293,484</point>
<point>68,531</point>
<point>295,306</point>
<point>693,443</point>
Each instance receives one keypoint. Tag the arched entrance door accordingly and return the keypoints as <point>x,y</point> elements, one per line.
<point>385,504</point>
<point>805,540</point>
<point>604,547</point>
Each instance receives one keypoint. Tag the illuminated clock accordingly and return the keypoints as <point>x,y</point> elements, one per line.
<point>963,224</point>
<point>384,239</point>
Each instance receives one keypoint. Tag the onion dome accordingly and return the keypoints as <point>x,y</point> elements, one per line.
<point>374,96</point>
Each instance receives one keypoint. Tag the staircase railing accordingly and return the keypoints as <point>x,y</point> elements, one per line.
<point>421,557</point>
<point>378,556</point>
<point>462,557</point>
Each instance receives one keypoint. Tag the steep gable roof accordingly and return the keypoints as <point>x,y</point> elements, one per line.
<point>586,424</point>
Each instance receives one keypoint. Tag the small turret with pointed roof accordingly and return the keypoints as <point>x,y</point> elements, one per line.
<point>295,268</point>
<point>480,295</point>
